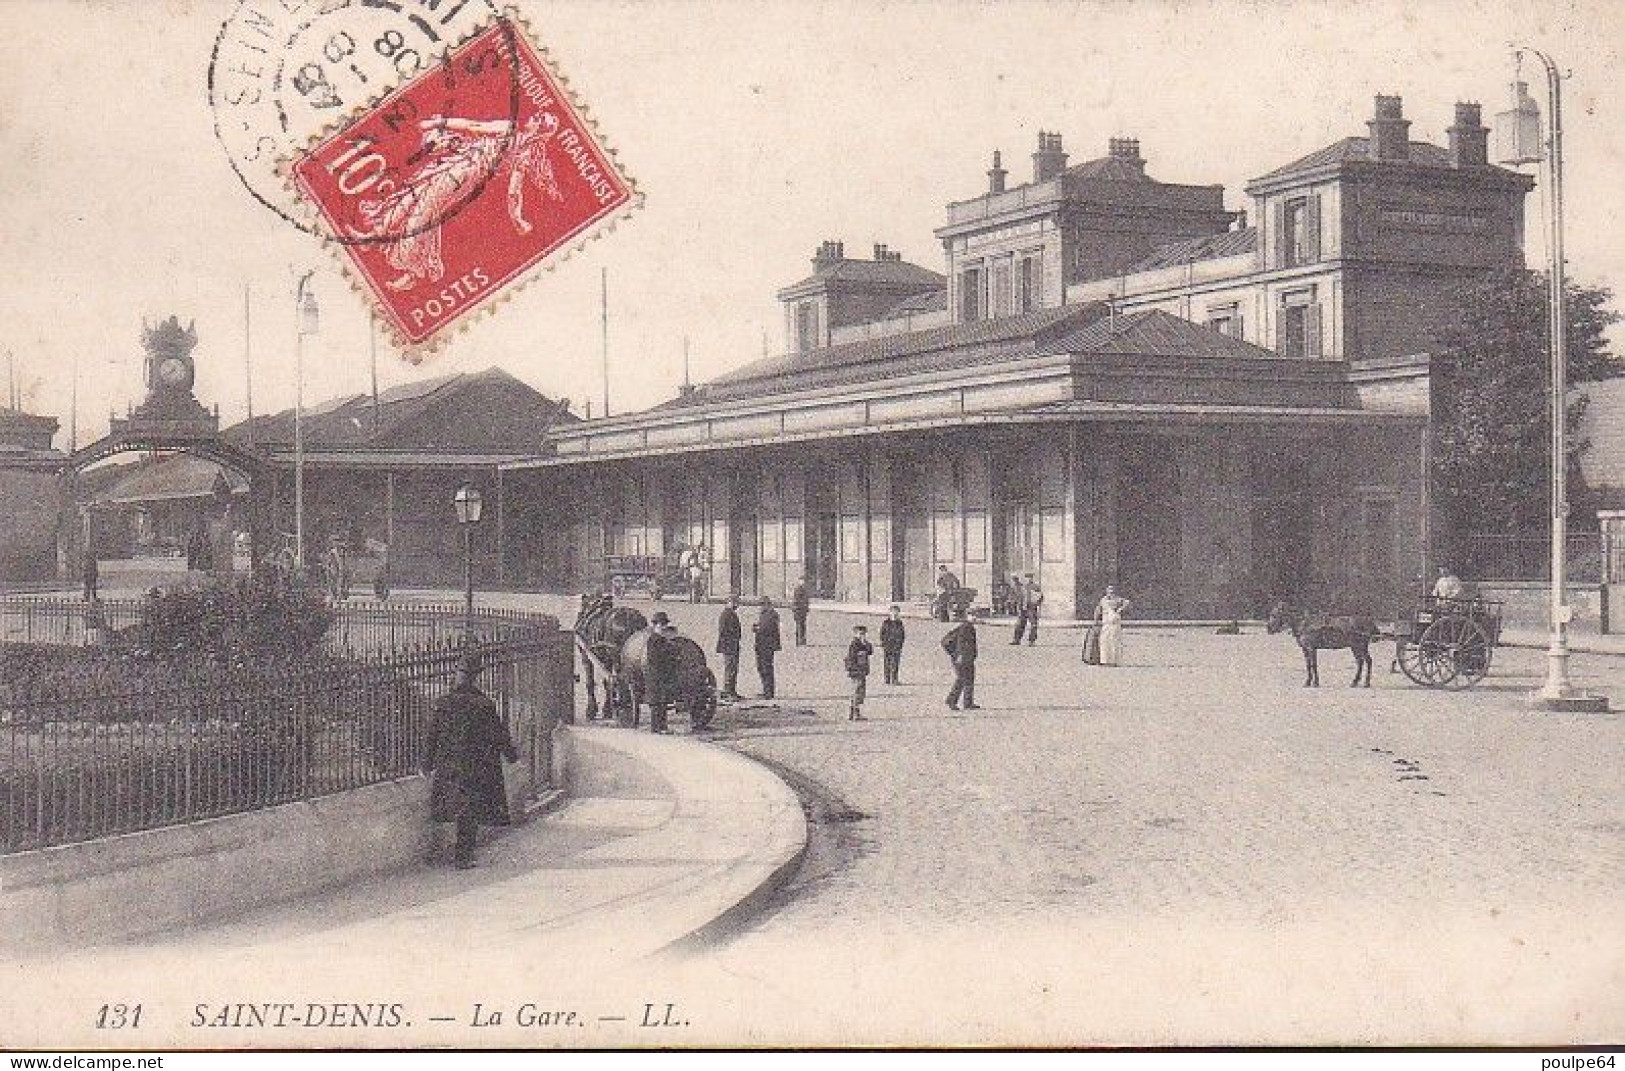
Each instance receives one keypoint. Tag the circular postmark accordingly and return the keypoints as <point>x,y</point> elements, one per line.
<point>287,72</point>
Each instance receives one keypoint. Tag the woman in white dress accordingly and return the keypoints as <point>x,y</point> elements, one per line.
<point>1110,615</point>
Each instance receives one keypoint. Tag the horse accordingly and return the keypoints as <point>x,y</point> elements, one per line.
<point>603,631</point>
<point>1316,632</point>
<point>667,670</point>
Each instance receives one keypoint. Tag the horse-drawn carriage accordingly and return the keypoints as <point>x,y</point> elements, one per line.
<point>1448,643</point>
<point>643,664</point>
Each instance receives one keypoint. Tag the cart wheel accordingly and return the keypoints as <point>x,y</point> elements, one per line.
<point>1408,653</point>
<point>1435,656</point>
<point>1468,646</point>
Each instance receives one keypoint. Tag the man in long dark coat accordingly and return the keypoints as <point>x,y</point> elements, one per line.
<point>768,644</point>
<point>960,643</point>
<point>466,741</point>
<point>800,607</point>
<point>729,634</point>
<point>892,637</point>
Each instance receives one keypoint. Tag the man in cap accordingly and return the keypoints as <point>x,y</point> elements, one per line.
<point>858,653</point>
<point>1032,597</point>
<point>466,742</point>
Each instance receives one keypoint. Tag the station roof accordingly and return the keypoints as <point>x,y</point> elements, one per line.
<point>488,413</point>
<point>176,477</point>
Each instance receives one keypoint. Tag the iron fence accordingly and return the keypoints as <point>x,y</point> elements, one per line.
<point>1498,557</point>
<point>81,759</point>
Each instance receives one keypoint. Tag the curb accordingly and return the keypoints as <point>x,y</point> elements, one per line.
<point>760,869</point>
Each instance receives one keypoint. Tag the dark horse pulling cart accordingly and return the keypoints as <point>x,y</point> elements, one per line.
<point>1448,643</point>
<point>641,664</point>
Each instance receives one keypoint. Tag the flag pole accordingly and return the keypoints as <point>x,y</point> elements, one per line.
<point>248,365</point>
<point>603,295</point>
<point>372,345</point>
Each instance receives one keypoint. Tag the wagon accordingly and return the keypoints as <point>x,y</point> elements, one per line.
<point>645,573</point>
<point>1448,643</point>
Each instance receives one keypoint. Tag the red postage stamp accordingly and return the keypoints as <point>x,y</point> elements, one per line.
<point>451,190</point>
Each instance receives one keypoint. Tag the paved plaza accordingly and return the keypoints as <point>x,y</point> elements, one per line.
<point>1189,845</point>
<point>1190,848</point>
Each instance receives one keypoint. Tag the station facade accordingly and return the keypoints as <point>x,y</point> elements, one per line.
<point>1113,380</point>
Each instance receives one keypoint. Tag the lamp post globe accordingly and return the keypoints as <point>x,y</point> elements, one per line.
<point>468,503</point>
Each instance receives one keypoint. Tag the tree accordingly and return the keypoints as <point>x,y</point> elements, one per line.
<point>1491,422</point>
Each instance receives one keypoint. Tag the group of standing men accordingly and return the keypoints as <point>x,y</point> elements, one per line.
<point>766,641</point>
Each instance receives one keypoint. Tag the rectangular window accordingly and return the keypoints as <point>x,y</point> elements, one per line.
<point>1053,535</point>
<point>851,539</point>
<point>1225,319</point>
<point>970,296</point>
<point>792,539</point>
<point>771,531</point>
<point>1296,212</point>
<point>719,540</point>
<point>806,327</point>
<point>1026,281</point>
<point>1298,327</point>
<point>945,546</point>
<point>976,536</point>
<point>1300,231</point>
<point>1003,302</point>
<point>880,538</point>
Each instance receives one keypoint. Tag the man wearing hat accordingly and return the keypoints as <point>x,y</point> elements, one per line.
<point>768,644</point>
<point>1029,597</point>
<point>960,643</point>
<point>729,633</point>
<point>858,653</point>
<point>466,739</point>
<point>662,670</point>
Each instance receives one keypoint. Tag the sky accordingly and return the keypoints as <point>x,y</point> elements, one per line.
<point>755,131</point>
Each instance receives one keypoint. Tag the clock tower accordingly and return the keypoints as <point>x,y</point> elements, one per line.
<point>170,374</point>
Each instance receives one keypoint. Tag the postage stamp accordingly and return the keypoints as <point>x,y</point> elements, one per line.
<point>447,194</point>
<point>285,71</point>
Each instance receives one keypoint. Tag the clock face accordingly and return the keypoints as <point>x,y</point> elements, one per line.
<point>174,372</point>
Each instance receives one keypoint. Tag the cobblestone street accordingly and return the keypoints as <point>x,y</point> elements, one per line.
<point>1191,845</point>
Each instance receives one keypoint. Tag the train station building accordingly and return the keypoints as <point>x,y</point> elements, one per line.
<point>1107,379</point>
<point>1112,379</point>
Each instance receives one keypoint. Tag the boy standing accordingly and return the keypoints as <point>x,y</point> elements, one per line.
<point>858,653</point>
<point>891,644</point>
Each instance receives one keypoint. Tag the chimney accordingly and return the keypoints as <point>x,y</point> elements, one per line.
<point>1390,130</point>
<point>829,253</point>
<point>1469,138</point>
<point>1049,160</point>
<point>1126,150</point>
<point>996,174</point>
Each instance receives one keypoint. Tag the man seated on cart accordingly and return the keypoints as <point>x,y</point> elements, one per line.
<point>1449,585</point>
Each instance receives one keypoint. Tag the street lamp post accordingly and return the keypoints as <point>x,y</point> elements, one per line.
<point>308,318</point>
<point>1521,143</point>
<point>469,505</point>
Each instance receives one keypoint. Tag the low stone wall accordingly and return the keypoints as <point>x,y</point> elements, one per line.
<point>1527,604</point>
<point>176,876</point>
<point>158,879</point>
